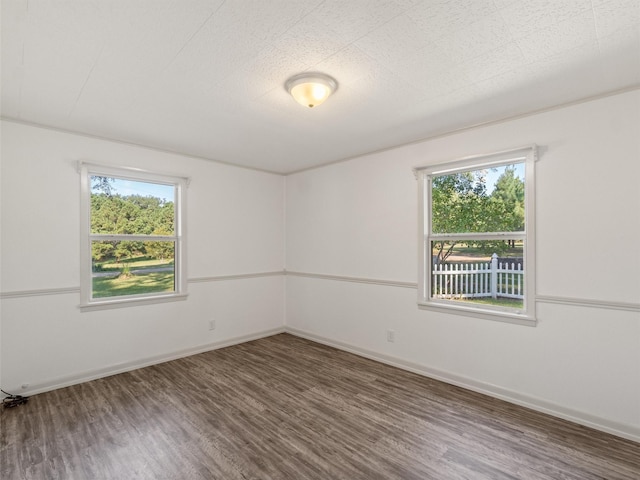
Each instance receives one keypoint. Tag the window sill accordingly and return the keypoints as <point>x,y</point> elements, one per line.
<point>131,302</point>
<point>497,316</point>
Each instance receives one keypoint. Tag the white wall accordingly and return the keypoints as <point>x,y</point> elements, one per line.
<point>235,223</point>
<point>359,219</point>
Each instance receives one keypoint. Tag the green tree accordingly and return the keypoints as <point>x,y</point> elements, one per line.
<point>508,194</point>
<point>161,250</point>
<point>102,184</point>
<point>460,204</point>
<point>102,250</point>
<point>127,249</point>
<point>112,213</point>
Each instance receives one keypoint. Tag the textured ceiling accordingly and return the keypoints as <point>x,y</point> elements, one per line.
<point>205,77</point>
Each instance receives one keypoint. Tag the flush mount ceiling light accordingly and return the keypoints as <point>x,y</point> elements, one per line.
<point>311,89</point>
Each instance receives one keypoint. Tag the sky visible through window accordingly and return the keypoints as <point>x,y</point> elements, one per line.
<point>125,188</point>
<point>494,173</point>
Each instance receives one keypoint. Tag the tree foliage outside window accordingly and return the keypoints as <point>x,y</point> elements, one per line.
<point>461,203</point>
<point>130,215</point>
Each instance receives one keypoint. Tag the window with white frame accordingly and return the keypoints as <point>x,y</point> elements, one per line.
<point>477,252</point>
<point>133,237</point>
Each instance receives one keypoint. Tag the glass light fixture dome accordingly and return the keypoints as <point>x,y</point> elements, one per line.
<point>311,89</point>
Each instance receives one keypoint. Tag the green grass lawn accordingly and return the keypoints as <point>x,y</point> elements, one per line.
<point>500,302</point>
<point>154,282</point>
<point>133,263</point>
<point>463,250</point>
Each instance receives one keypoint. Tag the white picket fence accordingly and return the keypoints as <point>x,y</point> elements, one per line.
<point>477,280</point>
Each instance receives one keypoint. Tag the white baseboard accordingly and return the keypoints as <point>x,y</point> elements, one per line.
<point>89,375</point>
<point>621,430</point>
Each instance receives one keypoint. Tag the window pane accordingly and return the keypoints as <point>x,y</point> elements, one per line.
<point>479,201</point>
<point>132,268</point>
<point>479,272</point>
<point>120,206</point>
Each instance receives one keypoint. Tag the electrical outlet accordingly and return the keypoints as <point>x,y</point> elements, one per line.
<point>391,336</point>
<point>212,324</point>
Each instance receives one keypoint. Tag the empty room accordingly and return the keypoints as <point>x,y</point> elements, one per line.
<point>320,239</point>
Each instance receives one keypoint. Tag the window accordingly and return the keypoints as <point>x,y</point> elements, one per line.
<point>132,237</point>
<point>477,236</point>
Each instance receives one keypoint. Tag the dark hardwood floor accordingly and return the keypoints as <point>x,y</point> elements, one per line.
<point>287,408</point>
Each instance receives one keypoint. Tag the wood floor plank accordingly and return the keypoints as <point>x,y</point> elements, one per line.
<point>286,408</point>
